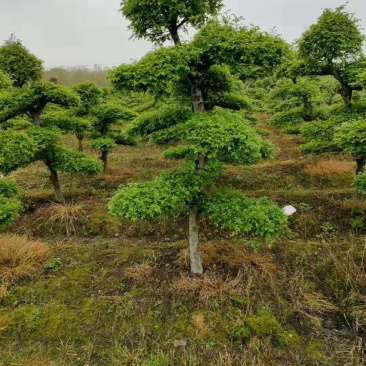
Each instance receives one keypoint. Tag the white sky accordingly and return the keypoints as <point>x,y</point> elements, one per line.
<point>88,32</point>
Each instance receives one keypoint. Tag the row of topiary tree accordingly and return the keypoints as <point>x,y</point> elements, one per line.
<point>200,112</point>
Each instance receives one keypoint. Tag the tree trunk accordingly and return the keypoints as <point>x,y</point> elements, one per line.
<point>36,118</point>
<point>104,159</point>
<point>80,138</point>
<point>360,165</point>
<point>346,90</point>
<point>195,255</point>
<point>59,197</point>
<point>308,110</point>
<point>198,105</point>
<point>346,93</point>
<point>197,97</point>
<point>175,37</point>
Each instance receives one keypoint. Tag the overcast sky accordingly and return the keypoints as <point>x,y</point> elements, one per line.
<point>88,32</point>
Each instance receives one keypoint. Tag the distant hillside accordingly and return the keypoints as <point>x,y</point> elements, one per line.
<point>72,75</point>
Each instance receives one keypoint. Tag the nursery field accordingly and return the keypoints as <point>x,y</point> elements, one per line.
<point>142,218</point>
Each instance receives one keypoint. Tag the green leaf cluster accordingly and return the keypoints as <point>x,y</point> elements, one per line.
<point>165,117</point>
<point>360,183</point>
<point>242,215</point>
<point>351,137</point>
<point>19,64</point>
<point>103,144</point>
<point>155,20</point>
<point>10,205</point>
<point>20,148</point>
<point>167,194</point>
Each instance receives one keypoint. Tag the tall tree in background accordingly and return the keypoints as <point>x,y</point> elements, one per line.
<point>21,66</point>
<point>333,46</point>
<point>160,20</point>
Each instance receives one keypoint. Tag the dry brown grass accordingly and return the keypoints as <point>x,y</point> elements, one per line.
<point>139,273</point>
<point>329,167</point>
<point>209,286</point>
<point>64,217</point>
<point>19,258</point>
<point>231,255</point>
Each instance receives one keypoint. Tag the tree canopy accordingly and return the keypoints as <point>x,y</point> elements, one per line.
<point>159,20</point>
<point>18,63</point>
<point>333,46</point>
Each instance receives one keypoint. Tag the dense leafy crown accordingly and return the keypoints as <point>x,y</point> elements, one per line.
<point>35,97</point>
<point>19,64</point>
<point>89,93</point>
<point>246,51</point>
<point>351,137</point>
<point>20,148</point>
<point>334,40</point>
<point>155,20</point>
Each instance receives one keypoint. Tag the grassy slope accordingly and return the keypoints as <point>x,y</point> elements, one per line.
<point>123,295</point>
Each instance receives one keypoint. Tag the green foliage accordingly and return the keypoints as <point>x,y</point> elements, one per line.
<point>72,162</point>
<point>288,118</point>
<point>157,20</point>
<point>33,99</point>
<point>17,149</point>
<point>66,121</point>
<point>156,72</point>
<point>360,183</point>
<point>19,64</point>
<point>242,215</point>
<point>351,137</point>
<point>180,152</point>
<point>304,89</point>
<point>248,52</point>
<point>89,93</point>
<point>223,136</point>
<point>157,359</point>
<point>166,116</point>
<point>319,137</point>
<point>335,39</point>
<point>15,124</point>
<point>103,144</point>
<point>8,188</point>
<point>106,115</point>
<point>5,82</point>
<point>264,327</point>
<point>9,203</point>
<point>53,265</point>
<point>333,46</point>
<point>167,194</point>
<point>22,148</point>
<point>9,211</point>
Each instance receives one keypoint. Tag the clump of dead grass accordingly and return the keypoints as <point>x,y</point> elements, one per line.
<point>329,167</point>
<point>139,273</point>
<point>209,286</point>
<point>19,258</point>
<point>62,217</point>
<point>233,256</point>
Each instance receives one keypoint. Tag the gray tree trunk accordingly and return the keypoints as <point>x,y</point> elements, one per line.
<point>59,197</point>
<point>36,118</point>
<point>194,253</point>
